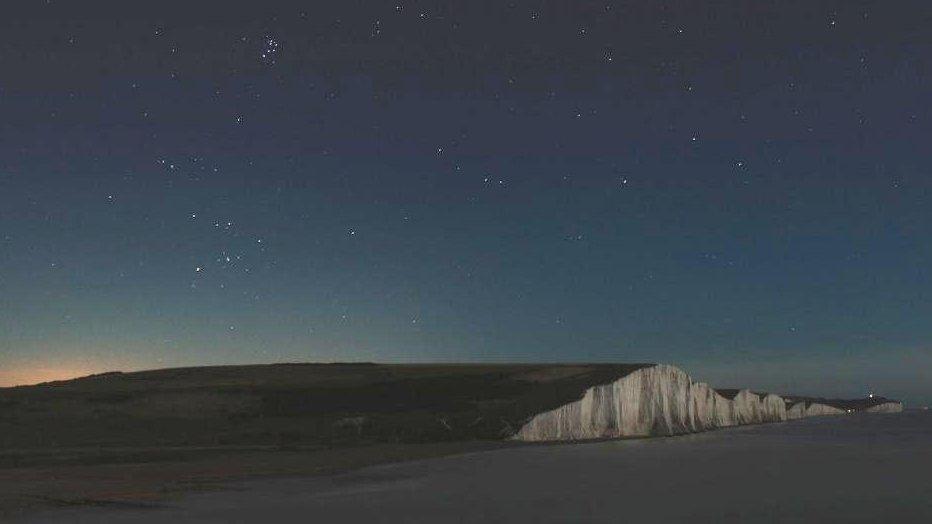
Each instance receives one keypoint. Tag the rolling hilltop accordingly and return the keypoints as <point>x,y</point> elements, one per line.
<point>325,405</point>
<point>132,438</point>
<point>289,405</point>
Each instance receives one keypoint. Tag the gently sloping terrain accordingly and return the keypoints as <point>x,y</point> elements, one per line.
<point>290,405</point>
<point>137,438</point>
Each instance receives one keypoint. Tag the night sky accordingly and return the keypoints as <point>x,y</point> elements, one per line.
<point>739,188</point>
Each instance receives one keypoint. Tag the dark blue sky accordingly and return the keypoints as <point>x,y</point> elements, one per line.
<point>739,188</point>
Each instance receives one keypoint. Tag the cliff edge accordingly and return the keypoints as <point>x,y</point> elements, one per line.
<point>305,406</point>
<point>663,400</point>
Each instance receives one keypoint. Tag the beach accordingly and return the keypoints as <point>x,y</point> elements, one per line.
<point>858,468</point>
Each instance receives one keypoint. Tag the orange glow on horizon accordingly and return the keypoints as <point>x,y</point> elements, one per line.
<point>29,376</point>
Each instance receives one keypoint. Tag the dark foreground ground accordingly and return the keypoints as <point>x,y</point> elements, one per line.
<point>139,440</point>
<point>285,406</point>
<point>134,439</point>
<point>851,468</point>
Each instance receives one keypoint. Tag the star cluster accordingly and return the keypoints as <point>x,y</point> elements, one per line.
<point>210,183</point>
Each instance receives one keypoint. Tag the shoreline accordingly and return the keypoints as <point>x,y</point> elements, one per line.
<point>157,482</point>
<point>373,483</point>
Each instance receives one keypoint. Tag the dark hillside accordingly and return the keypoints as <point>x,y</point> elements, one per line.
<point>290,405</point>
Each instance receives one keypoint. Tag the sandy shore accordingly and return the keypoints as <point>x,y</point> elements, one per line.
<point>860,468</point>
<point>151,478</point>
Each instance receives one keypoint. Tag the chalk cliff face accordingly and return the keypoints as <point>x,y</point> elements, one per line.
<point>886,407</point>
<point>797,410</point>
<point>658,400</point>
<point>773,408</point>
<point>816,410</point>
<point>662,400</point>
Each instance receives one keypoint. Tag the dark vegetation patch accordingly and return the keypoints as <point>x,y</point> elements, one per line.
<point>286,407</point>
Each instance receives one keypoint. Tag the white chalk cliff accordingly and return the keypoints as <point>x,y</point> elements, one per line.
<point>657,401</point>
<point>816,410</point>
<point>797,410</point>
<point>886,407</point>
